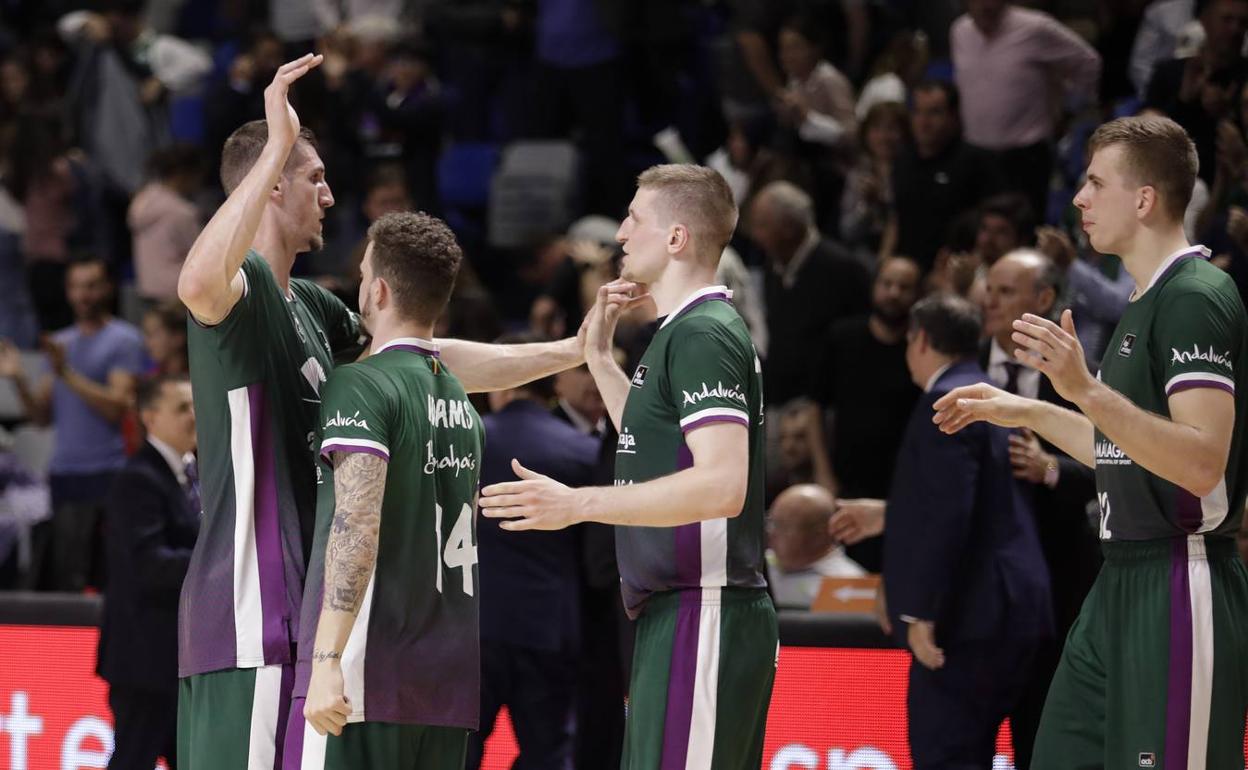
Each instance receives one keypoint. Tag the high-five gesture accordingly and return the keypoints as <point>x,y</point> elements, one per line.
<point>282,119</point>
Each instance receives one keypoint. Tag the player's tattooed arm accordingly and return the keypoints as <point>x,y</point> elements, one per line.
<point>359,485</point>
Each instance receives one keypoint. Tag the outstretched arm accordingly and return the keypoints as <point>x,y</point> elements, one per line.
<point>210,284</point>
<point>350,555</point>
<point>481,366</point>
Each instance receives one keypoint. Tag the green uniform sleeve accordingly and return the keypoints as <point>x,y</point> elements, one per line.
<point>355,414</point>
<point>709,379</point>
<point>1196,335</point>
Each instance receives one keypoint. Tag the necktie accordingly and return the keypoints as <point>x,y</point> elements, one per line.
<point>191,469</point>
<point>1011,376</point>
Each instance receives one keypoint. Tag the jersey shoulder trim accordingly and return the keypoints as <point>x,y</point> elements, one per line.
<point>714,414</point>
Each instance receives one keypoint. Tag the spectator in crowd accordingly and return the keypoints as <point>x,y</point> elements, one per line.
<point>1007,60</point>
<point>940,176</point>
<point>965,581</point>
<point>802,454</point>
<point>239,96</point>
<point>164,339</point>
<point>809,282</point>
<point>757,34</point>
<point>24,502</point>
<point>94,365</point>
<point>1061,488</point>
<point>897,69</point>
<point>1199,91</point>
<point>578,401</point>
<point>530,605</point>
<point>150,525</point>
<point>868,199</point>
<point>801,553</point>
<point>385,192</point>
<point>1002,223</point>
<point>164,221</point>
<point>869,413</point>
<point>1157,38</point>
<point>17,312</point>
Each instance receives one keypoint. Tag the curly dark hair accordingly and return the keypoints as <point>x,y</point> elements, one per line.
<point>418,256</point>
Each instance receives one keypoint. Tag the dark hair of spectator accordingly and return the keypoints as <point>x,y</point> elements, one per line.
<point>150,390</point>
<point>809,30</point>
<point>1050,276</point>
<point>89,259</point>
<point>960,237</point>
<point>699,198</point>
<point>123,7</point>
<point>169,162</point>
<point>1015,209</point>
<point>243,149</point>
<point>952,98</point>
<point>1157,153</point>
<point>38,141</point>
<point>883,113</point>
<point>385,175</point>
<point>542,389</point>
<point>418,257</point>
<point>171,315</point>
<point>951,323</point>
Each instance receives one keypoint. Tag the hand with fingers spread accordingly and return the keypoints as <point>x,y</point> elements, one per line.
<point>533,502</point>
<point>1054,350</point>
<point>326,708</point>
<point>1028,457</point>
<point>856,520</point>
<point>282,120</point>
<point>970,404</point>
<point>922,639</point>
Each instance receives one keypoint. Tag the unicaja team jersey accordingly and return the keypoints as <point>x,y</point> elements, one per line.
<point>256,378</point>
<point>1187,330</point>
<point>700,368</point>
<point>413,655</point>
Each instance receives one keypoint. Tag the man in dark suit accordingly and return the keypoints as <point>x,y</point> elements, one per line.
<point>151,521</point>
<point>966,585</point>
<point>530,602</point>
<point>809,282</point>
<point>1060,487</point>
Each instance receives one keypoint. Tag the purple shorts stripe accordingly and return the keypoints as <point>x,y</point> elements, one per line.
<point>1188,508</point>
<point>268,533</point>
<point>1179,689</point>
<point>1192,384</point>
<point>687,537</point>
<point>714,418</point>
<point>681,679</point>
<point>328,448</point>
<point>292,749</point>
<point>283,719</point>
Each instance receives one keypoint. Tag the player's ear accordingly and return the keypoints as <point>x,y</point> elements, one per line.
<point>677,238</point>
<point>381,293</point>
<point>1146,201</point>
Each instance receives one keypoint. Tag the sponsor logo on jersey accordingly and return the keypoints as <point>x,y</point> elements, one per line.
<point>1128,344</point>
<point>433,463</point>
<point>1108,453</point>
<point>627,445</point>
<point>1148,759</point>
<point>1196,354</point>
<point>719,391</point>
<point>639,376</point>
<point>449,413</point>
<point>354,421</point>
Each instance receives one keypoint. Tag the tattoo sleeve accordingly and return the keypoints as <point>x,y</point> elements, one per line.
<point>359,485</point>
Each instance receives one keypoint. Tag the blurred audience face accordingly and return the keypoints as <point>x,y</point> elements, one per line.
<point>386,199</point>
<point>884,135</point>
<point>1107,202</point>
<point>932,122</point>
<point>1012,289</point>
<point>797,527</point>
<point>798,54</point>
<point>171,417</point>
<point>266,56</point>
<point>14,82</point>
<point>794,443</point>
<point>986,14</point>
<point>644,236</point>
<point>305,196</point>
<point>577,387</point>
<point>995,237</point>
<point>163,344</point>
<point>1225,23</point>
<point>773,232</point>
<point>88,290</point>
<point>895,290</point>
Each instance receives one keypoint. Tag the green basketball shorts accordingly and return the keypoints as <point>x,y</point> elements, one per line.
<point>234,719</point>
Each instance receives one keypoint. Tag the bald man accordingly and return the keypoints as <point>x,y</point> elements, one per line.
<point>801,552</point>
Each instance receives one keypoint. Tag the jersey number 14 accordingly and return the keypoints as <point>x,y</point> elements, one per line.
<point>459,552</point>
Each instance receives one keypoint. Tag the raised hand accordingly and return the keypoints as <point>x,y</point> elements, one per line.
<point>1056,351</point>
<point>969,404</point>
<point>856,520</point>
<point>282,120</point>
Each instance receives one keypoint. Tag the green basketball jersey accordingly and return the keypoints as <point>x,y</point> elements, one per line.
<point>1187,330</point>
<point>413,654</point>
<point>256,378</point>
<point>700,368</point>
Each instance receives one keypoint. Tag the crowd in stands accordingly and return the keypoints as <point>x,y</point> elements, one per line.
<point>879,151</point>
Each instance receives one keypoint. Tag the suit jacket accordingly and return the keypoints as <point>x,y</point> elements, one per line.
<point>529,580</point>
<point>149,531</point>
<point>960,545</point>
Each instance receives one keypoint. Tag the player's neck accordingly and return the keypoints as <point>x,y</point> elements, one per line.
<point>387,331</point>
<point>1144,256</point>
<point>280,256</point>
<point>677,283</point>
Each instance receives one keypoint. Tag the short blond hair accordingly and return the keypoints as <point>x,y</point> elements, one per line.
<point>697,197</point>
<point>1157,153</point>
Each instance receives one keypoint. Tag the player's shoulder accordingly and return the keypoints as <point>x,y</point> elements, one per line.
<point>717,319</point>
<point>367,374</point>
<point>1201,281</point>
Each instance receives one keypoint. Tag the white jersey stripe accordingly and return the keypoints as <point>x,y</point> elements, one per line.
<point>714,534</point>
<point>1214,507</point>
<point>737,414</point>
<point>705,685</point>
<point>1200,589</point>
<point>1205,377</point>
<point>337,443</point>
<point>313,748</point>
<point>353,654</point>
<point>248,611</point>
<point>265,709</point>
